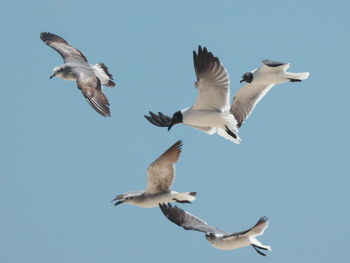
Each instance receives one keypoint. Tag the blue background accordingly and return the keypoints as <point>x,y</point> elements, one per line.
<point>61,162</point>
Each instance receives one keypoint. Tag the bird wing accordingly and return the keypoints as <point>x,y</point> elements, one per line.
<point>257,230</point>
<point>161,173</point>
<point>160,120</point>
<point>90,86</point>
<point>186,220</point>
<point>246,99</point>
<point>271,65</point>
<point>67,52</point>
<point>213,82</point>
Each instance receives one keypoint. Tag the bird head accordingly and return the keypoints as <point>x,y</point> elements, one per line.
<point>129,197</point>
<point>210,236</point>
<point>247,77</point>
<point>177,118</point>
<point>56,71</point>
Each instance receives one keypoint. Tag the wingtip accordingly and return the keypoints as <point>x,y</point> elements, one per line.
<point>44,36</point>
<point>263,219</point>
<point>273,63</point>
<point>48,37</point>
<point>179,144</point>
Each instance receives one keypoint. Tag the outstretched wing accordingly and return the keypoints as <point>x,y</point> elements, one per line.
<point>67,52</point>
<point>161,173</point>
<point>187,220</point>
<point>90,86</point>
<point>246,99</point>
<point>213,82</point>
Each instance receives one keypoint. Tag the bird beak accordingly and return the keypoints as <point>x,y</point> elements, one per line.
<point>241,80</point>
<point>52,76</point>
<point>118,202</point>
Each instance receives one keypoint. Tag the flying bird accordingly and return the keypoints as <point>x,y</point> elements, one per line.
<point>212,112</point>
<point>216,237</point>
<point>89,78</point>
<point>259,82</point>
<point>161,175</point>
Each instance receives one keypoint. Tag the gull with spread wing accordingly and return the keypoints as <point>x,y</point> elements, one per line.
<point>212,112</point>
<point>161,175</point>
<point>259,82</point>
<point>89,78</point>
<point>216,237</point>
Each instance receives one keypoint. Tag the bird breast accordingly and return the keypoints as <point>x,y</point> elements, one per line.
<point>230,243</point>
<point>203,118</point>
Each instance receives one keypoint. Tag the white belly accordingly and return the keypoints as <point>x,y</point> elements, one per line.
<point>230,243</point>
<point>202,118</point>
<point>155,200</point>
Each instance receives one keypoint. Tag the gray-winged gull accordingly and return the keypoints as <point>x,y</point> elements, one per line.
<point>76,68</point>
<point>216,237</point>
<point>161,175</point>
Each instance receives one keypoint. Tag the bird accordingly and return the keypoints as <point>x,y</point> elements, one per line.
<point>259,82</point>
<point>161,175</point>
<point>89,77</point>
<point>212,112</point>
<point>216,237</point>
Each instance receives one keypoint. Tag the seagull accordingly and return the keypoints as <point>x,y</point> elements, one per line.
<point>161,175</point>
<point>89,78</point>
<point>259,82</point>
<point>212,112</point>
<point>216,237</point>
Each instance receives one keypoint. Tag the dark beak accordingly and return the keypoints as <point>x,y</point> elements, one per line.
<point>52,76</point>
<point>118,202</point>
<point>241,80</point>
<point>169,127</point>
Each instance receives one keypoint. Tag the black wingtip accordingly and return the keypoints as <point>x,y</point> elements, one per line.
<point>263,219</point>
<point>179,144</point>
<point>257,250</point>
<point>273,63</point>
<point>295,80</point>
<point>231,133</point>
<point>48,37</point>
<point>44,35</point>
<point>160,120</point>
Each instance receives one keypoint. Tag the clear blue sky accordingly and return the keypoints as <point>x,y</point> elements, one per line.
<point>61,163</point>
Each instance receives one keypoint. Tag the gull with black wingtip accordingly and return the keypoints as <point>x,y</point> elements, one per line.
<point>161,175</point>
<point>216,237</point>
<point>259,82</point>
<point>212,112</point>
<point>89,78</point>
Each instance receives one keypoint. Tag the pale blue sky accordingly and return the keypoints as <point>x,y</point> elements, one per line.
<point>61,163</point>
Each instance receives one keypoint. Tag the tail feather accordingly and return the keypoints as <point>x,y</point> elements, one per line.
<point>187,197</point>
<point>229,135</point>
<point>258,244</point>
<point>102,73</point>
<point>299,76</point>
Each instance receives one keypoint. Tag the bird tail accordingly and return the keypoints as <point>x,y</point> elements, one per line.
<point>258,244</point>
<point>186,197</point>
<point>229,135</point>
<point>104,76</point>
<point>295,77</point>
